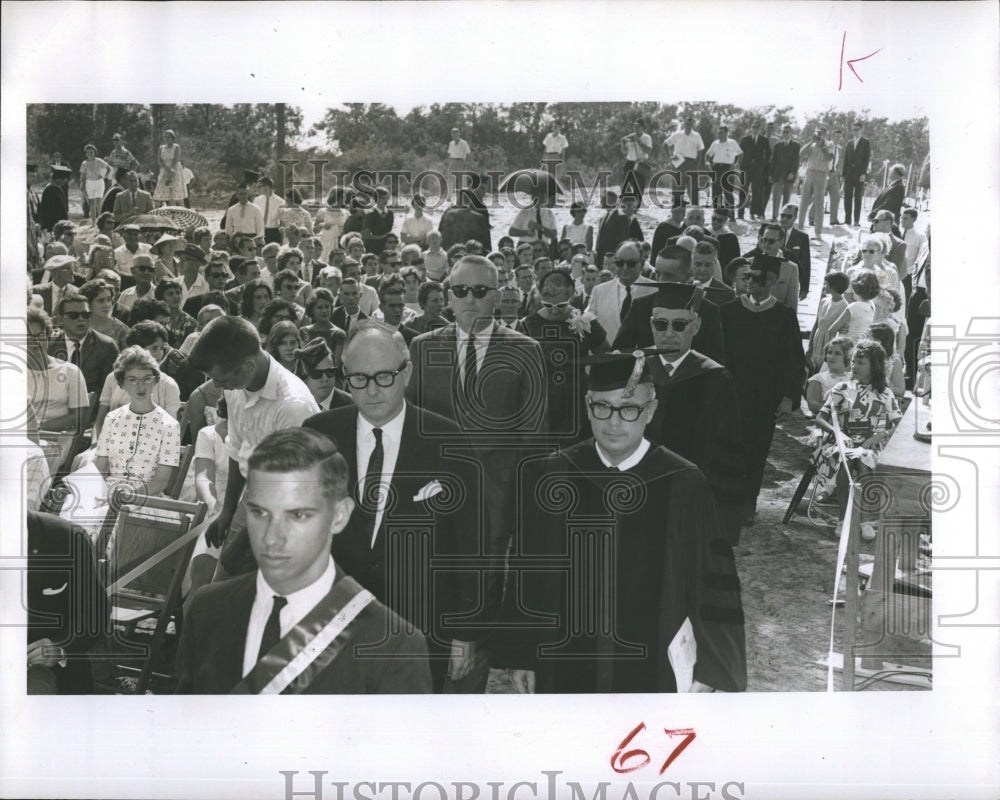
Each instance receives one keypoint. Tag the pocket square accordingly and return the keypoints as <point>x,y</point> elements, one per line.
<point>50,592</point>
<point>428,491</point>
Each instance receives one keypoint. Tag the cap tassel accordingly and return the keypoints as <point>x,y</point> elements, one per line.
<point>633,380</point>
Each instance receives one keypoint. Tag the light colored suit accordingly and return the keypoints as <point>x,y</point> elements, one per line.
<point>606,304</point>
<point>127,207</point>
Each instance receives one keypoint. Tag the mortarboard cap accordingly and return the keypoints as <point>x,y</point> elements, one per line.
<point>680,296</point>
<point>612,371</point>
<point>764,264</point>
<point>59,171</point>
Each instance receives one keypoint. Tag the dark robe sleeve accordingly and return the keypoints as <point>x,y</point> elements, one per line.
<point>793,361</point>
<point>714,605</point>
<point>720,439</point>
<point>709,340</point>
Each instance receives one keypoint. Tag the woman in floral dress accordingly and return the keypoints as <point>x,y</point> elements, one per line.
<point>171,190</point>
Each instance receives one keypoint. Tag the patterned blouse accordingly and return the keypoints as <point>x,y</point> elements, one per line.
<point>136,445</point>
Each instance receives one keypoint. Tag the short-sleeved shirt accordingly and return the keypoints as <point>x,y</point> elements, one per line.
<point>555,143</point>
<point>723,153</point>
<point>136,445</point>
<point>55,392</point>
<point>124,256</point>
<point>632,149</point>
<point>417,227</point>
<point>284,401</point>
<point>166,394</point>
<point>686,145</point>
<point>526,215</point>
<point>459,149</point>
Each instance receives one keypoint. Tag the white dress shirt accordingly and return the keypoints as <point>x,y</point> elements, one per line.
<point>392,433</point>
<point>629,462</point>
<point>674,364</point>
<point>299,604</point>
<point>482,342</point>
<point>271,204</point>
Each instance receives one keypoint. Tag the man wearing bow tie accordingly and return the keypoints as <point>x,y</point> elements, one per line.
<point>414,503</point>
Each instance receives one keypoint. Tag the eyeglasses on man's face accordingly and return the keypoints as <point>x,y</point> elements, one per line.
<point>627,413</point>
<point>662,325</point>
<point>557,306</point>
<point>479,291</point>
<point>330,372</point>
<point>769,240</point>
<point>75,315</point>
<point>627,263</point>
<point>385,379</point>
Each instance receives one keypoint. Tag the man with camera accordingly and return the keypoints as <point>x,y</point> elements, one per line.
<point>818,154</point>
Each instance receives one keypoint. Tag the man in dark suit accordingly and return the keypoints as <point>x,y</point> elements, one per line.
<point>93,352</point>
<point>619,225</point>
<point>672,264</point>
<point>784,169</point>
<point>216,274</point>
<point>133,201</point>
<point>491,381</point>
<point>728,242</point>
<point>796,246</point>
<point>297,624</point>
<point>704,266</point>
<point>348,313</point>
<point>397,451</point>
<point>755,163</point>
<point>857,156</point>
<point>68,611</point>
<point>891,197</point>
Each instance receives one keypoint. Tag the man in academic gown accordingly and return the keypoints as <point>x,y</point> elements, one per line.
<point>764,355</point>
<point>672,226</point>
<point>54,204</point>
<point>650,516</point>
<point>298,624</point>
<point>672,264</point>
<point>697,414</point>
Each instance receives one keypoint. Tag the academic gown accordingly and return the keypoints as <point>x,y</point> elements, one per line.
<point>53,207</point>
<point>636,332</point>
<point>652,530</point>
<point>764,355</point>
<point>697,417</point>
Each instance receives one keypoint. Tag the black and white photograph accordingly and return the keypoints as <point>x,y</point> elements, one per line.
<point>601,379</point>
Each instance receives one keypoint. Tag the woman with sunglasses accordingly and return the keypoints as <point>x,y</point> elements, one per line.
<point>314,365</point>
<point>566,336</point>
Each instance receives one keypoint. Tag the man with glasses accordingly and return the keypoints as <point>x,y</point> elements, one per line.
<point>673,264</point>
<point>93,352</point>
<point>654,511</point>
<point>765,357</point>
<point>395,449</point>
<point>796,245</point>
<point>491,381</point>
<point>610,302</point>
<point>142,272</point>
<point>216,275</point>
<point>697,416</point>
<point>786,290</point>
<point>261,397</point>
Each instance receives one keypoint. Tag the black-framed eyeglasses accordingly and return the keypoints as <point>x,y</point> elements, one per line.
<point>329,372</point>
<point>385,379</point>
<point>557,306</point>
<point>74,315</point>
<point>621,263</point>
<point>627,413</point>
<point>479,291</point>
<point>662,325</point>
<point>143,269</point>
<point>766,240</point>
<point>787,216</point>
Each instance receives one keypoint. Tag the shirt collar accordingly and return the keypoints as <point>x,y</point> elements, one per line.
<point>675,364</point>
<point>269,391</point>
<point>482,337</point>
<point>305,599</point>
<point>393,428</point>
<point>628,463</point>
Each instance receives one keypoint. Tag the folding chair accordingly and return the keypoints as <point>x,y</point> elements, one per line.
<point>173,490</point>
<point>147,554</point>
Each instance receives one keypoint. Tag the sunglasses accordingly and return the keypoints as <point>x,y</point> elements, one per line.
<point>869,250</point>
<point>622,263</point>
<point>76,314</point>
<point>460,290</point>
<point>143,269</point>
<point>330,372</point>
<point>557,306</point>
<point>787,216</point>
<point>679,325</point>
<point>767,240</point>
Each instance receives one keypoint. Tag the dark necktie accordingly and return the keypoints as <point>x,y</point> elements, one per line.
<point>626,304</point>
<point>471,367</point>
<point>668,369</point>
<point>75,358</point>
<point>272,630</point>
<point>373,480</point>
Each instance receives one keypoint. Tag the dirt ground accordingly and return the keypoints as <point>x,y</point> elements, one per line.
<point>787,571</point>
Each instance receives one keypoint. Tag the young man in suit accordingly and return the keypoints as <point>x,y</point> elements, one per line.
<point>784,169</point>
<point>755,162</point>
<point>396,450</point>
<point>93,352</point>
<point>490,380</point>
<point>348,313</point>
<point>786,290</point>
<point>796,246</point>
<point>297,624</point>
<point>857,157</point>
<point>672,264</point>
<point>68,610</point>
<point>133,201</point>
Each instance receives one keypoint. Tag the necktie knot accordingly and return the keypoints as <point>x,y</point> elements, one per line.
<point>377,433</point>
<point>272,628</point>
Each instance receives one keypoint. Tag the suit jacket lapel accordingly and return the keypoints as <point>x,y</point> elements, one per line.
<point>231,634</point>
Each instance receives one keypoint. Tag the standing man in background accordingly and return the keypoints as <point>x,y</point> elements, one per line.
<point>857,156</point>
<point>458,156</point>
<point>637,147</point>
<point>817,153</point>
<point>554,150</point>
<point>685,149</point>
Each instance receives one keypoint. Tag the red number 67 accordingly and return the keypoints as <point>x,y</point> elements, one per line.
<point>620,761</point>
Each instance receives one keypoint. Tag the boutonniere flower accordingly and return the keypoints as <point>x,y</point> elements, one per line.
<point>579,322</point>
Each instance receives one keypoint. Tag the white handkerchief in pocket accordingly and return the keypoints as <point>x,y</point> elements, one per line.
<point>428,491</point>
